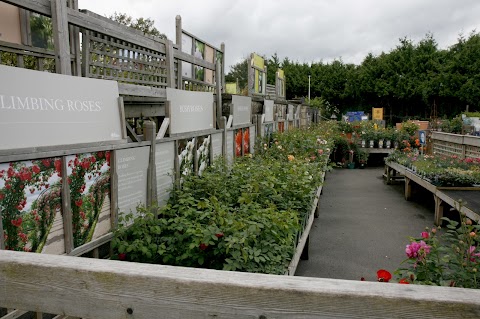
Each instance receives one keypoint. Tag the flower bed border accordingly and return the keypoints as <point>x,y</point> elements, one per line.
<point>303,242</point>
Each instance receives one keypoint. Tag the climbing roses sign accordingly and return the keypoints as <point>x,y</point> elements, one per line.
<point>44,109</point>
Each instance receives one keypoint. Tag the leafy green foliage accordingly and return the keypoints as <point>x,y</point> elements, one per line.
<point>444,258</point>
<point>246,217</point>
<point>146,25</point>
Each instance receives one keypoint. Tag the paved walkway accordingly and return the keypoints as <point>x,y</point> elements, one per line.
<point>363,226</point>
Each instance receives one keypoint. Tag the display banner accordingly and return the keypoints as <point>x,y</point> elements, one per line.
<point>132,166</point>
<point>377,113</point>
<point>45,109</point>
<point>165,165</point>
<point>241,109</point>
<point>217,140</point>
<point>268,110</point>
<point>31,206</point>
<point>252,139</point>
<point>189,111</point>
<point>290,112</point>
<point>89,184</point>
<point>187,47</point>
<point>230,147</point>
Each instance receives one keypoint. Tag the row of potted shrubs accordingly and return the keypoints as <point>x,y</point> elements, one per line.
<point>245,217</point>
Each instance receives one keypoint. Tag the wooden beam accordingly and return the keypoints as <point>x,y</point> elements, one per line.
<point>39,6</point>
<point>2,240</point>
<point>169,53</point>
<point>66,208</point>
<point>408,188</point>
<point>96,288</point>
<point>439,207</point>
<point>61,37</point>
<point>191,59</point>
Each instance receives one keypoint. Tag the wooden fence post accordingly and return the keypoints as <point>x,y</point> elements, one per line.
<point>61,37</point>
<point>150,133</point>
<point>218,78</point>
<point>178,40</point>
<point>170,64</point>
<point>66,209</point>
<point>222,47</point>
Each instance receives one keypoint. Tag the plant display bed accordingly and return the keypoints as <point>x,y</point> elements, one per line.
<point>464,199</point>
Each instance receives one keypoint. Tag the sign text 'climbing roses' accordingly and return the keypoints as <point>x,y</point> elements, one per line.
<point>44,109</point>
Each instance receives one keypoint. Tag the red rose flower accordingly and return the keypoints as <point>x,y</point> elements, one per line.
<point>36,169</point>
<point>2,196</point>
<point>219,235</point>
<point>203,246</point>
<point>122,256</point>
<point>58,166</point>
<point>17,222</point>
<point>403,281</point>
<point>78,203</point>
<point>46,163</point>
<point>107,157</point>
<point>383,275</point>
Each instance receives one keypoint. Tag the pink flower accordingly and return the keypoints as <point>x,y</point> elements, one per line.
<point>417,250</point>
<point>425,235</point>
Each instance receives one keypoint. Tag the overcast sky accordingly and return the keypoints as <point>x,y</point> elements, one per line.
<point>304,30</point>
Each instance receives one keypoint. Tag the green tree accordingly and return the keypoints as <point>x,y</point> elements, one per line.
<point>239,72</point>
<point>142,24</point>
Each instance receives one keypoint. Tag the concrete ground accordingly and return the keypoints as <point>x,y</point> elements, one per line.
<point>363,226</point>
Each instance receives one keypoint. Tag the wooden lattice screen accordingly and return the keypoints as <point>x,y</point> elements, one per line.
<point>109,58</point>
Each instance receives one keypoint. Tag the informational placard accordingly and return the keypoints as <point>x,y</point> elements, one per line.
<point>187,47</point>
<point>290,112</point>
<point>209,57</point>
<point>252,139</point>
<point>165,165</point>
<point>10,29</point>
<point>31,206</point>
<point>89,185</point>
<point>423,137</point>
<point>377,113</point>
<point>241,109</point>
<point>268,110</point>
<point>217,140</point>
<point>230,149</point>
<point>132,166</point>
<point>45,109</point>
<point>189,111</point>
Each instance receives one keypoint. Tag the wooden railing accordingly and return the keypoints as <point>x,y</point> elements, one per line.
<point>456,145</point>
<point>143,65</point>
<point>94,288</point>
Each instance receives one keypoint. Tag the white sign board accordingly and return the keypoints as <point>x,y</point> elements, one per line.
<point>189,111</point>
<point>252,139</point>
<point>217,141</point>
<point>132,166</point>
<point>46,109</point>
<point>268,110</point>
<point>230,149</point>
<point>164,165</point>
<point>290,112</point>
<point>241,109</point>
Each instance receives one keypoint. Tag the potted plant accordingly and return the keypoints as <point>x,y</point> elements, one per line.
<point>362,158</point>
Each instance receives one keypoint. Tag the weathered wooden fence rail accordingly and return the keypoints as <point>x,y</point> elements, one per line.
<point>454,144</point>
<point>110,289</point>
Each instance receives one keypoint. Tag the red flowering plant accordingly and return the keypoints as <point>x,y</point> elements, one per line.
<point>85,205</point>
<point>25,216</point>
<point>444,258</point>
